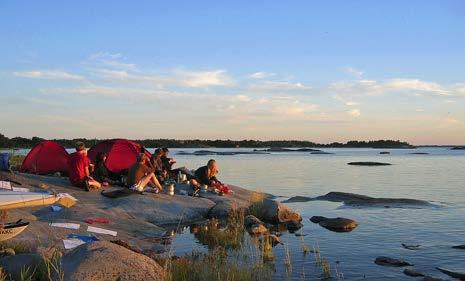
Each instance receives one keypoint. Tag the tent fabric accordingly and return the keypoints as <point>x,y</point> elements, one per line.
<point>48,157</point>
<point>122,154</point>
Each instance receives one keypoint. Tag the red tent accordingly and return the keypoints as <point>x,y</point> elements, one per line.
<point>122,153</point>
<point>47,157</point>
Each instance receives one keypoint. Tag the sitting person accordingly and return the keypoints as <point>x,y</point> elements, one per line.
<point>101,172</point>
<point>207,174</point>
<point>167,162</point>
<point>140,175</point>
<point>157,164</point>
<point>78,168</point>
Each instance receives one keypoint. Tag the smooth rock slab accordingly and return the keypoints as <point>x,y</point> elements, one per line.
<point>106,261</point>
<point>387,261</point>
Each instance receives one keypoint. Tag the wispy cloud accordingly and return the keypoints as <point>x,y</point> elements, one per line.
<point>372,87</point>
<point>110,60</point>
<point>48,74</point>
<point>261,75</point>
<point>354,72</point>
<point>278,86</point>
<point>354,112</point>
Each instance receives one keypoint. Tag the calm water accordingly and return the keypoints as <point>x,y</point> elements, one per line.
<point>438,177</point>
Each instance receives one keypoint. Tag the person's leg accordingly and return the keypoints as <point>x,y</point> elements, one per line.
<point>154,180</point>
<point>94,184</point>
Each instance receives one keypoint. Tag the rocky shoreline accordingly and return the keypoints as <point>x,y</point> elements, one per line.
<point>141,221</point>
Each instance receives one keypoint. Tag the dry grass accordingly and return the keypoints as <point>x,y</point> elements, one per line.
<point>48,269</point>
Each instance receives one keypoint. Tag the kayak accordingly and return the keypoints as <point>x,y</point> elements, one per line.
<point>10,230</point>
<point>18,199</point>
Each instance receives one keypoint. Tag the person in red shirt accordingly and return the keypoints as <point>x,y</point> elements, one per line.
<point>78,168</point>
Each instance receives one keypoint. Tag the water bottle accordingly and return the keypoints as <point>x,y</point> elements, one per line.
<point>179,177</point>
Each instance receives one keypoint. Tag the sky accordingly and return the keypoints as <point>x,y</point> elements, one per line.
<point>321,71</point>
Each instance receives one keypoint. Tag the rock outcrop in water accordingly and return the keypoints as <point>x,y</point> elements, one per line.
<point>335,224</point>
<point>458,148</point>
<point>276,213</point>
<point>451,273</point>
<point>353,199</point>
<point>413,273</point>
<point>387,261</point>
<point>282,149</point>
<point>368,164</point>
<point>210,152</point>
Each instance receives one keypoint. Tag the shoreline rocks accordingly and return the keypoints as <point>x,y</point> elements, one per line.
<point>254,226</point>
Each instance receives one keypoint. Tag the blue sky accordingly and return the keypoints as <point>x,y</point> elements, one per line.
<point>322,71</point>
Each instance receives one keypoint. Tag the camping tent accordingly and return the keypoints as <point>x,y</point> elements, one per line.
<point>122,153</point>
<point>47,157</point>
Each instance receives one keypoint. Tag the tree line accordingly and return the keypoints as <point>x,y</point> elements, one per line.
<point>20,142</point>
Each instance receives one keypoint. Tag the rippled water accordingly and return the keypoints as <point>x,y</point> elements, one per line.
<point>438,176</point>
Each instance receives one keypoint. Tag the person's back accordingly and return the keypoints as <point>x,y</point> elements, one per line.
<point>202,175</point>
<point>101,173</point>
<point>137,172</point>
<point>77,164</point>
<point>78,168</point>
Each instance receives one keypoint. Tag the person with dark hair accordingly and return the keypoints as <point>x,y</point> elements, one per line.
<point>167,162</point>
<point>157,164</point>
<point>140,175</point>
<point>101,172</point>
<point>78,168</point>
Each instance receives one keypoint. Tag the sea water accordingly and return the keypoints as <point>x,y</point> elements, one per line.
<point>438,176</point>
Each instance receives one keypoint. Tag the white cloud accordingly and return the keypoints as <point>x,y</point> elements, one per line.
<point>354,112</point>
<point>111,60</point>
<point>354,72</point>
<point>176,78</point>
<point>261,75</point>
<point>352,103</point>
<point>204,78</point>
<point>277,86</point>
<point>48,74</point>
<point>419,110</point>
<point>372,87</point>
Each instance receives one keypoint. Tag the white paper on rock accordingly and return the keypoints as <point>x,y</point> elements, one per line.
<point>5,185</point>
<point>72,243</point>
<point>63,195</point>
<point>66,225</point>
<point>21,189</point>
<point>101,230</point>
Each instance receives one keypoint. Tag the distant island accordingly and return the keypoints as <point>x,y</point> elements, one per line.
<point>20,142</point>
